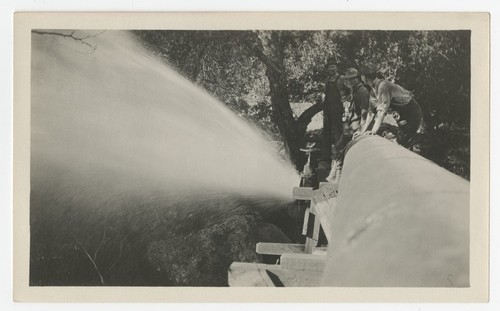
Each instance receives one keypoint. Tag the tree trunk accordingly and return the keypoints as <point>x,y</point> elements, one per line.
<point>269,48</point>
<point>283,116</point>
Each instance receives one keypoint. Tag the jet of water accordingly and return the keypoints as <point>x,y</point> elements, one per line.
<point>109,118</point>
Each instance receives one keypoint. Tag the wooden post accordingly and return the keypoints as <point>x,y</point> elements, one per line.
<point>312,223</point>
<point>303,193</point>
<point>279,248</point>
<point>305,262</point>
<point>312,226</point>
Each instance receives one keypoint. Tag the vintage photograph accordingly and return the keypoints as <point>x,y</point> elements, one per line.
<point>250,157</point>
<point>163,157</point>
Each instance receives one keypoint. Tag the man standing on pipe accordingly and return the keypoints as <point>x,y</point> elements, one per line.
<point>354,118</point>
<point>332,113</point>
<point>385,95</point>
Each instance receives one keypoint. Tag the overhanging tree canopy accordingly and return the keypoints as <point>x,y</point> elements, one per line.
<point>260,72</point>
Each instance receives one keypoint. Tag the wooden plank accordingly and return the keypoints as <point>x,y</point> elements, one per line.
<point>316,228</point>
<point>325,193</point>
<point>308,262</point>
<point>259,275</point>
<point>320,250</point>
<point>310,244</point>
<point>295,277</point>
<point>325,211</point>
<point>311,227</point>
<point>306,220</point>
<point>311,224</point>
<point>303,193</point>
<point>329,185</point>
<point>278,248</point>
<point>298,278</point>
<point>249,274</point>
<point>285,248</point>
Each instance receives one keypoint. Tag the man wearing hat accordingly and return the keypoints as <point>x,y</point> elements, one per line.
<point>358,109</point>
<point>332,113</point>
<point>385,96</point>
<point>353,119</point>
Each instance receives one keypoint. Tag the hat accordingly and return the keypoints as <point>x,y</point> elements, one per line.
<point>351,73</point>
<point>368,68</point>
<point>331,61</point>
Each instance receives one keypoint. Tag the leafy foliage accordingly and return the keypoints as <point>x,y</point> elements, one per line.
<point>259,73</point>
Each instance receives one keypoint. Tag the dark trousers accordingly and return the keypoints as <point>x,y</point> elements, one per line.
<point>332,128</point>
<point>340,147</point>
<point>410,119</point>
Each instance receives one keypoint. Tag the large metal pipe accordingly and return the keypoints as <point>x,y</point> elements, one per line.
<point>399,220</point>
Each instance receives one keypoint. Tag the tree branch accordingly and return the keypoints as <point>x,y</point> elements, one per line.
<point>306,116</point>
<point>258,51</point>
<point>71,36</point>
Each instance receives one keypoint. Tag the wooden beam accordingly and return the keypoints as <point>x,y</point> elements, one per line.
<point>326,192</point>
<point>311,227</point>
<point>303,193</point>
<point>308,262</point>
<point>329,185</point>
<point>311,223</point>
<point>322,250</point>
<point>285,248</point>
<point>310,245</point>
<point>306,220</point>
<point>324,211</point>
<point>254,274</point>
<point>316,229</point>
<point>278,248</point>
<point>249,274</point>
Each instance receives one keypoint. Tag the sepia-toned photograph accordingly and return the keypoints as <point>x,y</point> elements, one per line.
<point>255,157</point>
